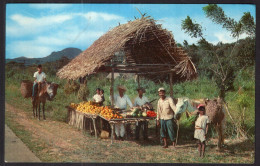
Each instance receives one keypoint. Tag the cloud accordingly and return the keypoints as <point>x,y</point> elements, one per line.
<point>48,6</point>
<point>28,49</point>
<point>95,16</point>
<point>39,22</point>
<point>23,25</point>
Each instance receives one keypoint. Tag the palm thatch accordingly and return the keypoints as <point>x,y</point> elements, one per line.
<point>147,49</point>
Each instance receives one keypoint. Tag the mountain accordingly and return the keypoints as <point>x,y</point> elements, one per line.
<point>70,53</point>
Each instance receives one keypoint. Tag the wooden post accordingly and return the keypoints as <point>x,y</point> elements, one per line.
<point>138,81</point>
<point>94,125</point>
<point>112,88</point>
<point>112,131</point>
<point>171,88</point>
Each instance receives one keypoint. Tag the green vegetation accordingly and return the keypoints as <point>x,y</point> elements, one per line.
<point>240,99</point>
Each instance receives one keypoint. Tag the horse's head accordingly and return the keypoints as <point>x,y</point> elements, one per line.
<point>52,90</point>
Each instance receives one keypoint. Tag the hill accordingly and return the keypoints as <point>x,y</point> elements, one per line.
<point>69,53</point>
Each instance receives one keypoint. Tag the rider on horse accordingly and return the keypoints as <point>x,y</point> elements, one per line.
<point>40,77</point>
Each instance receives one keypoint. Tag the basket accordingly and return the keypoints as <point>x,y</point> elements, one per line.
<point>26,88</point>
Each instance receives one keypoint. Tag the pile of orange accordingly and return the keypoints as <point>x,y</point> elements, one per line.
<point>90,108</point>
<point>108,114</point>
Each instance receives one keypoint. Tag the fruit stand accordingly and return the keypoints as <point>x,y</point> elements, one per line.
<point>140,47</point>
<point>79,113</point>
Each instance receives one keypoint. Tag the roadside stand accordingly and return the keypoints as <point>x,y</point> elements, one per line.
<point>141,47</point>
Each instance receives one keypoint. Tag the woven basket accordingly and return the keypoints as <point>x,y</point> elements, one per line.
<point>26,88</point>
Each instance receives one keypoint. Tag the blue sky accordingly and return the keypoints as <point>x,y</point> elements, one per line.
<point>36,30</point>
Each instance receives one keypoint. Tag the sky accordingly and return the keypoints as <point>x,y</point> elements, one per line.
<point>37,30</point>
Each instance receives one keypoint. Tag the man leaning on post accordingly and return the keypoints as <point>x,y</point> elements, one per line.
<point>165,117</point>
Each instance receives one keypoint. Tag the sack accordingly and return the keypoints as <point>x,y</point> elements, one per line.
<point>26,88</point>
<point>104,134</point>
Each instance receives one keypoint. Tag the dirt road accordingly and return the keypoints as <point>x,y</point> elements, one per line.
<point>54,141</point>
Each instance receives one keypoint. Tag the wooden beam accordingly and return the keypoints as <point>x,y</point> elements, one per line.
<point>112,88</point>
<point>138,81</point>
<point>171,88</point>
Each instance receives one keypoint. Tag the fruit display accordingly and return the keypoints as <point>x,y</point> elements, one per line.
<point>109,113</point>
<point>91,108</point>
<point>151,114</point>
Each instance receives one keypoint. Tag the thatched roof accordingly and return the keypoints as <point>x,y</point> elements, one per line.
<point>142,41</point>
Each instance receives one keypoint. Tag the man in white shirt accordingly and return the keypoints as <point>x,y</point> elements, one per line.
<point>121,101</point>
<point>139,101</point>
<point>40,77</point>
<point>165,117</point>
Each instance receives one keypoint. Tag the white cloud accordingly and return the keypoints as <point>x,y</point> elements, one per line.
<point>95,16</point>
<point>28,49</point>
<point>48,6</point>
<point>28,26</point>
<point>39,22</point>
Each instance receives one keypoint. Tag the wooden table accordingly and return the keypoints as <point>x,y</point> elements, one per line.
<point>78,119</point>
<point>125,121</point>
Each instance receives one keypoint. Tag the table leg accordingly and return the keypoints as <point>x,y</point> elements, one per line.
<point>126,130</point>
<point>94,125</point>
<point>112,132</point>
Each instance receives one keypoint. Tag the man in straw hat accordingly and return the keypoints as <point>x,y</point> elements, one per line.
<point>139,101</point>
<point>165,117</point>
<point>121,102</point>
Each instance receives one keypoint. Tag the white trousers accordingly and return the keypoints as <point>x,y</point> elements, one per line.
<point>120,129</point>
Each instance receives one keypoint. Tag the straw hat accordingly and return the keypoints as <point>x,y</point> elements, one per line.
<point>121,87</point>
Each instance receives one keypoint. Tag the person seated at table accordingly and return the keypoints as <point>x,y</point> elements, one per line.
<point>121,101</point>
<point>97,97</point>
<point>102,96</point>
<point>139,101</point>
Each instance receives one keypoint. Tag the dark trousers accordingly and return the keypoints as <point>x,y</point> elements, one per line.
<point>168,126</point>
<point>141,125</point>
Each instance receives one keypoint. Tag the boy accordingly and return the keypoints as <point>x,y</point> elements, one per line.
<point>201,129</point>
<point>97,97</point>
<point>40,77</point>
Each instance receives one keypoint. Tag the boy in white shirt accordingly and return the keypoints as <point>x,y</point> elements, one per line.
<point>201,129</point>
<point>97,97</point>
<point>40,77</point>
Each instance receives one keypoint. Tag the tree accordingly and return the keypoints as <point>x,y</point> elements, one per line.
<point>220,66</point>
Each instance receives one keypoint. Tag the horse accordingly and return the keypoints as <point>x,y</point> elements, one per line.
<point>214,110</point>
<point>46,91</point>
